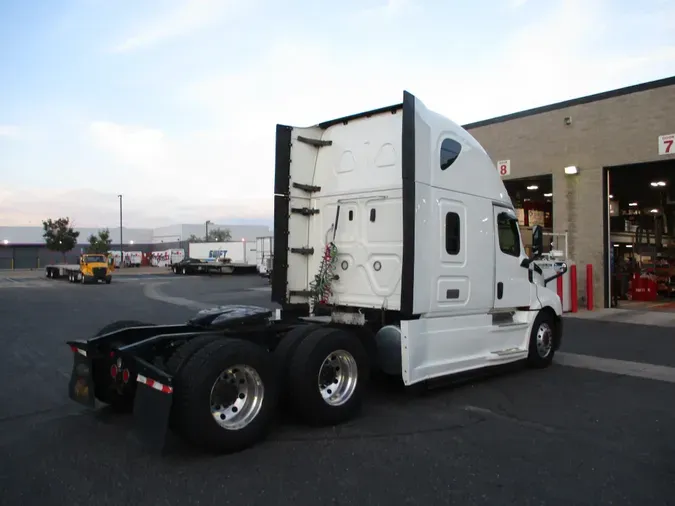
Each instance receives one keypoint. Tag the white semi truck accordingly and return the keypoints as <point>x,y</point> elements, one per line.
<point>396,248</point>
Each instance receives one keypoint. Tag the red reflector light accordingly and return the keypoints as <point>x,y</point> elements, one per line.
<point>125,375</point>
<point>112,354</point>
<point>73,349</point>
<point>113,371</point>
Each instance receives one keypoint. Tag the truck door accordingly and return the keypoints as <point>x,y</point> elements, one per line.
<point>512,286</point>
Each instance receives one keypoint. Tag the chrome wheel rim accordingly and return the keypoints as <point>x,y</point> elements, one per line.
<point>338,377</point>
<point>237,397</point>
<point>544,340</point>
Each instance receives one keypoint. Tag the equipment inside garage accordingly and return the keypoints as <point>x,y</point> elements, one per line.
<point>641,211</point>
<point>532,198</point>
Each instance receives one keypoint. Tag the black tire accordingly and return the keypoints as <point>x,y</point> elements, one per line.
<point>304,374</point>
<point>104,387</point>
<point>192,416</point>
<point>283,355</point>
<point>108,281</point>
<point>182,354</point>
<point>544,323</point>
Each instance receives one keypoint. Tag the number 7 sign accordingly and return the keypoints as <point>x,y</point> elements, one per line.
<point>667,144</point>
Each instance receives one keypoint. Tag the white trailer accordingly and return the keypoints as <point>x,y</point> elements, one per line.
<point>240,256</point>
<point>131,258</point>
<point>166,258</point>
<point>396,248</point>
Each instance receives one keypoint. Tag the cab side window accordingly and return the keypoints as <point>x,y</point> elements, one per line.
<point>452,245</point>
<point>509,237</point>
<point>450,150</point>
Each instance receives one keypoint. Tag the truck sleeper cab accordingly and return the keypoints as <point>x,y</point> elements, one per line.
<point>396,247</point>
<point>424,233</point>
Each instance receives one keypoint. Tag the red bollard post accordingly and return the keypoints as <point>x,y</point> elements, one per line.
<point>589,287</point>
<point>559,286</point>
<point>573,289</point>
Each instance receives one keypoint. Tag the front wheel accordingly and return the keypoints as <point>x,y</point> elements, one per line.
<point>542,340</point>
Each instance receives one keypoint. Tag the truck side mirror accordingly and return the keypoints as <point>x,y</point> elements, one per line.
<point>537,241</point>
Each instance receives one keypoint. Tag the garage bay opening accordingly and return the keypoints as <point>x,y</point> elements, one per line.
<point>640,236</point>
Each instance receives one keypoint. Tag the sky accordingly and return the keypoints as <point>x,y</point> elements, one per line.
<point>173,103</point>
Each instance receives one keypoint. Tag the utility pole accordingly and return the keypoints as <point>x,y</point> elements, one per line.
<point>121,241</point>
<point>206,238</point>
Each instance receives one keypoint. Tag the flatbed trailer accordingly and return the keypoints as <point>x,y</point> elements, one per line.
<point>74,274</point>
<point>199,267</point>
<point>406,260</point>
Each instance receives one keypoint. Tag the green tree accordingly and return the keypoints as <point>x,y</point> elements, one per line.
<point>219,235</point>
<point>194,238</point>
<point>59,235</point>
<point>100,243</point>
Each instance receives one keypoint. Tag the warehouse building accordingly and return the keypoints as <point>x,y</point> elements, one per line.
<point>598,174</point>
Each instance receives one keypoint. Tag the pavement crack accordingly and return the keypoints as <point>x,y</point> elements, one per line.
<point>507,417</point>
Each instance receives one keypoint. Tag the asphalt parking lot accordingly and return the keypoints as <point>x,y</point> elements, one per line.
<point>568,435</point>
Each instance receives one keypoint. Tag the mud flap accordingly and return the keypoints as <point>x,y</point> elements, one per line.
<point>151,417</point>
<point>81,385</point>
<point>152,406</point>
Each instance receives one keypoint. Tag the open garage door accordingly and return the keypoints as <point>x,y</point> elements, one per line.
<point>532,198</point>
<point>640,236</point>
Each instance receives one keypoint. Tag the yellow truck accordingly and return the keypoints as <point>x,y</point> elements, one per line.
<point>93,267</point>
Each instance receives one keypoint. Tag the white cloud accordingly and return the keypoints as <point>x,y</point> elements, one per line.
<point>515,4</point>
<point>387,10</point>
<point>187,17</point>
<point>11,131</point>
<point>212,168</point>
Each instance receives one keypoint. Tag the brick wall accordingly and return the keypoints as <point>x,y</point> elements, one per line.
<point>614,131</point>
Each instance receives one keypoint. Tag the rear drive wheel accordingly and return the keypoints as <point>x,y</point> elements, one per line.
<point>225,396</point>
<point>181,354</point>
<point>328,376</point>
<point>542,341</point>
<point>283,354</point>
<point>105,388</point>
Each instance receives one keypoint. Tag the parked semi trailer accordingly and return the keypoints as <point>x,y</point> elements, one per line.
<point>239,256</point>
<point>397,248</point>
<point>91,269</point>
<point>197,266</point>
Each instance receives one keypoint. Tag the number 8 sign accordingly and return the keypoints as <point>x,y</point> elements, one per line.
<point>666,144</point>
<point>504,167</point>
